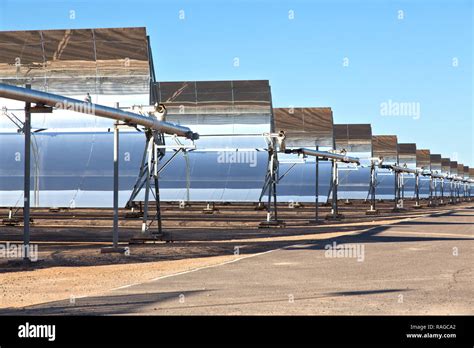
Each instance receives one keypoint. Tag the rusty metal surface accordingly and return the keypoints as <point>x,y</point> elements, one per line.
<point>76,61</point>
<point>407,154</point>
<point>445,165</point>
<point>423,159</point>
<point>213,97</point>
<point>435,160</point>
<point>453,167</point>
<point>306,127</point>
<point>353,137</point>
<point>385,146</point>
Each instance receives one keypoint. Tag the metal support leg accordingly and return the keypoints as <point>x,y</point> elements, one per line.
<point>150,176</point>
<point>373,183</point>
<point>271,179</point>
<point>451,192</point>
<point>334,208</point>
<point>417,191</point>
<point>148,172</point>
<point>457,193</point>
<point>158,206</point>
<point>115,229</point>
<point>316,191</point>
<point>116,187</point>
<point>269,202</point>
<point>441,201</point>
<point>275,209</point>
<point>334,215</point>
<point>147,197</point>
<point>188,178</point>
<point>316,209</point>
<point>26,182</point>
<point>399,192</point>
<point>396,191</point>
<point>432,197</point>
<point>140,180</point>
<point>402,188</point>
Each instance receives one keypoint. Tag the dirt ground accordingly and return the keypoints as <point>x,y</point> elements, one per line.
<point>71,265</point>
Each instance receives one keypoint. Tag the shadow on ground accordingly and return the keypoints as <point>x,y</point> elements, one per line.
<point>135,303</point>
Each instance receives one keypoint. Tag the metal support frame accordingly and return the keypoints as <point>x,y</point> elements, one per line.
<point>417,191</point>
<point>396,190</point>
<point>115,229</point>
<point>115,232</point>
<point>26,181</point>
<point>334,157</point>
<point>402,186</point>
<point>451,192</point>
<point>432,197</point>
<point>29,109</point>
<point>372,188</point>
<point>184,150</point>
<point>458,192</point>
<point>155,130</point>
<point>188,178</point>
<point>399,189</point>
<point>316,189</point>
<point>455,192</point>
<point>316,198</point>
<point>334,215</point>
<point>154,156</point>
<point>399,194</point>
<point>441,201</point>
<point>270,185</point>
<point>148,176</point>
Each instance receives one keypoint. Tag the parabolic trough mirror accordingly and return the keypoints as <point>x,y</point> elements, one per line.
<point>72,163</point>
<point>230,161</point>
<point>71,152</point>
<point>423,162</point>
<point>386,147</point>
<point>407,158</point>
<point>307,127</point>
<point>356,140</point>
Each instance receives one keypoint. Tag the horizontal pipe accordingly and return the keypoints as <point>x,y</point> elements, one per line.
<point>61,102</point>
<point>324,154</point>
<point>458,178</point>
<point>400,168</point>
<point>426,172</point>
<point>437,175</point>
<point>422,172</point>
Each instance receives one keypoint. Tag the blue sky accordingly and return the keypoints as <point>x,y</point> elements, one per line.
<point>424,59</point>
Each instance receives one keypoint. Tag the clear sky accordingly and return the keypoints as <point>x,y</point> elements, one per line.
<point>362,58</point>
